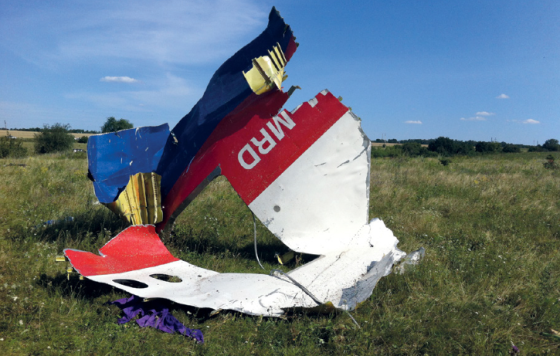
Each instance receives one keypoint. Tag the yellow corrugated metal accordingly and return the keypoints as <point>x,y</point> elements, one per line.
<point>140,202</point>
<point>267,71</point>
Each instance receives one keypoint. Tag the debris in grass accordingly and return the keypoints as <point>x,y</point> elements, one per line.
<point>15,165</point>
<point>553,334</point>
<point>155,315</point>
<point>55,222</point>
<point>514,349</point>
<point>412,259</point>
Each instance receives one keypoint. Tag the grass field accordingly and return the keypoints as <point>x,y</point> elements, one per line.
<point>491,276</point>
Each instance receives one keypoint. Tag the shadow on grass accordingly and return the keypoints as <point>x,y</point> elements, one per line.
<point>93,227</point>
<point>210,244</point>
<point>73,287</point>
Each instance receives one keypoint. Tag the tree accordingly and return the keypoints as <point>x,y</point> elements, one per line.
<point>53,138</point>
<point>113,125</point>
<point>551,145</point>
<point>83,139</point>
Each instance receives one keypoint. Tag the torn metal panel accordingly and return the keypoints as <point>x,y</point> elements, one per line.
<point>246,85</point>
<point>114,157</point>
<point>321,196</point>
<point>344,278</point>
<point>238,87</point>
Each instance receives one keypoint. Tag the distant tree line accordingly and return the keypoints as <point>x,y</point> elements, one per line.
<point>446,147</point>
<point>40,129</point>
<point>551,145</point>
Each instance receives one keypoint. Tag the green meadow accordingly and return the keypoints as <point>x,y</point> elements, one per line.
<point>491,275</point>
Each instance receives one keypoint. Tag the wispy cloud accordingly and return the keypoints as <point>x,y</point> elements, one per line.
<point>417,122</point>
<point>475,118</point>
<point>531,121</point>
<point>118,80</point>
<point>484,113</point>
<point>168,92</point>
<point>176,31</point>
<point>502,96</point>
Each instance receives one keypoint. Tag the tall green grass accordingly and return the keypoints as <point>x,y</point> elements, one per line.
<point>491,276</point>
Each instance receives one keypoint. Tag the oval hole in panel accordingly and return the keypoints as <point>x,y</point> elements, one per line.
<point>130,283</point>
<point>166,278</point>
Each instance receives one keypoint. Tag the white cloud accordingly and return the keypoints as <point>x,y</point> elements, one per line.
<point>484,113</point>
<point>417,122</point>
<point>118,79</point>
<point>531,121</point>
<point>475,118</point>
<point>502,96</point>
<point>175,31</point>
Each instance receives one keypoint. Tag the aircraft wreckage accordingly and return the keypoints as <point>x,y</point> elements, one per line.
<point>305,174</point>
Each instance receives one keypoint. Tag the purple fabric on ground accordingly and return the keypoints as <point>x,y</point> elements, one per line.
<point>155,315</point>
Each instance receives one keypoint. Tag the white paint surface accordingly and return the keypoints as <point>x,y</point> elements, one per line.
<point>320,201</point>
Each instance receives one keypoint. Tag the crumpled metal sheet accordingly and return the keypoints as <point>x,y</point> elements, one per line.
<point>246,85</point>
<point>305,175</point>
<point>344,278</point>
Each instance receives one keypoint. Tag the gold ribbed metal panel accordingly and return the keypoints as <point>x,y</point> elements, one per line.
<point>267,72</point>
<point>140,202</point>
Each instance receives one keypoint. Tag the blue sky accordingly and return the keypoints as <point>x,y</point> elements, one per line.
<point>475,69</point>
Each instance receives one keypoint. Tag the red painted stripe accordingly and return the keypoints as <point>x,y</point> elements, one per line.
<point>237,130</point>
<point>210,156</point>
<point>310,124</point>
<point>135,248</point>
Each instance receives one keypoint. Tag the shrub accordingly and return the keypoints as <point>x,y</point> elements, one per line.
<point>509,148</point>
<point>12,147</point>
<point>83,139</point>
<point>54,138</point>
<point>550,164</point>
<point>389,151</point>
<point>415,149</point>
<point>537,148</point>
<point>488,147</point>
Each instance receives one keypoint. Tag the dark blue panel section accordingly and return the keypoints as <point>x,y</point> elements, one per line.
<point>226,90</point>
<point>114,157</point>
